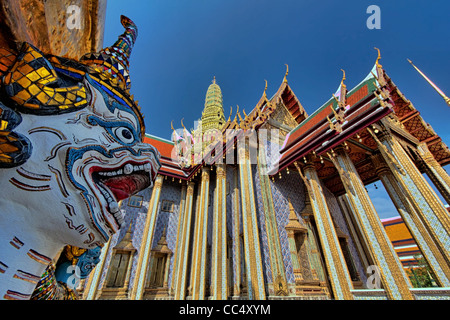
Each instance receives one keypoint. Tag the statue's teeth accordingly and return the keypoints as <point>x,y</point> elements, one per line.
<point>147,167</point>
<point>128,168</point>
<point>113,206</point>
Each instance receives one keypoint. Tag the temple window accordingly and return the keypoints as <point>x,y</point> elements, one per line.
<point>159,265</point>
<point>118,269</point>
<point>135,201</point>
<point>167,205</point>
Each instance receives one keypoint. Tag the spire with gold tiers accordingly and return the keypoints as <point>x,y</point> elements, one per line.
<point>213,116</point>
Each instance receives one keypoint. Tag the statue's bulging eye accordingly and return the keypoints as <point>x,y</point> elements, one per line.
<point>124,134</point>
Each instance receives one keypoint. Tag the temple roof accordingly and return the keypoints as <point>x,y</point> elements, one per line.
<point>323,129</point>
<point>339,120</point>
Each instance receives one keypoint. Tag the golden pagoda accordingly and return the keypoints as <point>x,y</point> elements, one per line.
<point>213,116</point>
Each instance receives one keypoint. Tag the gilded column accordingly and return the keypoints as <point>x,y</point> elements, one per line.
<point>236,235</point>
<point>279,282</point>
<point>435,172</point>
<point>424,200</point>
<point>252,251</point>
<point>391,271</point>
<point>180,271</point>
<point>198,265</point>
<point>177,253</point>
<point>146,243</point>
<point>219,246</point>
<point>341,283</point>
<point>431,253</point>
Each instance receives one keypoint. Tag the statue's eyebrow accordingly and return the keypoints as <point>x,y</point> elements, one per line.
<point>133,122</point>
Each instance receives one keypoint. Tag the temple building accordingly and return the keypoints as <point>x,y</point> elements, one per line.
<point>293,219</point>
<point>269,204</point>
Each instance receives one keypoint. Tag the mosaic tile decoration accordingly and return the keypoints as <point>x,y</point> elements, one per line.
<point>135,216</point>
<point>288,187</point>
<point>168,220</point>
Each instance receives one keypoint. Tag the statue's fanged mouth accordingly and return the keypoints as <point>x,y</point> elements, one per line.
<point>120,183</point>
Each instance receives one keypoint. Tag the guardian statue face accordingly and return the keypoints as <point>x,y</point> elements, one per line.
<point>71,141</point>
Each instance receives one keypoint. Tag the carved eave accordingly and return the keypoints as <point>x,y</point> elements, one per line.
<point>413,123</point>
<point>290,101</point>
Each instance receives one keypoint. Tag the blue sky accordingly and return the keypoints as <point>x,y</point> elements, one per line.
<point>183,44</point>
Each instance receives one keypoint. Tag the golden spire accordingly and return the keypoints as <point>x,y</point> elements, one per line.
<point>441,93</point>
<point>265,89</point>
<point>213,116</point>
<point>378,58</point>
<point>287,72</point>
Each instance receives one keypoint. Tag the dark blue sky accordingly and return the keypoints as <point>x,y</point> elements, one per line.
<point>183,44</point>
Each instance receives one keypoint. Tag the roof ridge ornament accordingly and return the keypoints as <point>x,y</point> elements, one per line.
<point>287,72</point>
<point>343,78</point>
<point>378,58</point>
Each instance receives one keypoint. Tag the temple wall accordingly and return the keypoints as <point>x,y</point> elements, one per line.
<point>169,192</point>
<point>137,217</point>
<point>288,187</point>
<point>168,220</point>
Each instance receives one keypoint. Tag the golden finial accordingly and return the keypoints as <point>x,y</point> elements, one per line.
<point>171,125</point>
<point>182,124</point>
<point>238,114</point>
<point>265,88</point>
<point>343,77</point>
<point>243,111</point>
<point>378,58</point>
<point>287,72</point>
<point>214,80</point>
<point>231,112</point>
